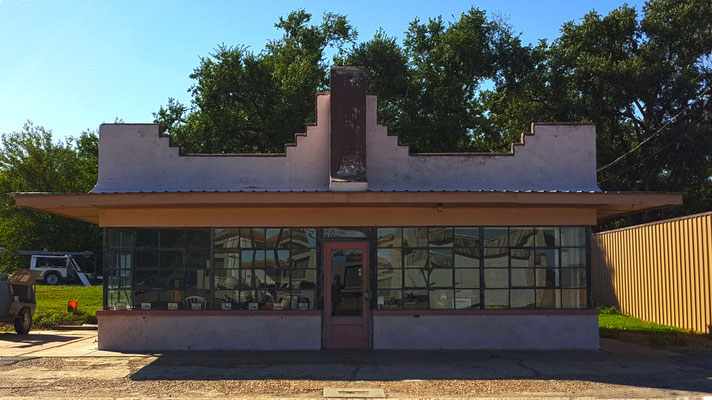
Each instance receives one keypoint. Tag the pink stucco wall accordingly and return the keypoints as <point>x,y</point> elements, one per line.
<point>134,158</point>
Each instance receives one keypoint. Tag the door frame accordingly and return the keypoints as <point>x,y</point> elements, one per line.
<point>365,247</point>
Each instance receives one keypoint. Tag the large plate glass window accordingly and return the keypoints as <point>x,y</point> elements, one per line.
<point>265,268</point>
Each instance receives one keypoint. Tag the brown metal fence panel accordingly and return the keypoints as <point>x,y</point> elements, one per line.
<point>659,272</point>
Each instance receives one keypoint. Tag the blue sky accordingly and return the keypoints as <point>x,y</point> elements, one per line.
<point>71,65</point>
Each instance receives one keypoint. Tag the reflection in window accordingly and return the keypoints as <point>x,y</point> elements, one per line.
<point>415,299</point>
<point>573,257</point>
<point>304,238</point>
<point>390,299</point>
<point>467,278</point>
<point>496,278</point>
<point>496,298</point>
<point>520,298</point>
<point>496,257</point>
<point>389,278</point>
<point>119,268</point>
<point>573,278</point>
<point>416,278</point>
<point>440,278</point>
<point>265,269</point>
<point>467,257</point>
<point>423,270</point>
<point>416,258</point>
<point>522,277</point>
<point>440,258</point>
<point>389,258</point>
<point>495,237</point>
<point>548,298</point>
<point>467,238</point>
<point>467,299</point>
<point>415,237</point>
<point>389,237</point>
<point>521,237</point>
<point>277,238</point>
<point>573,236</point>
<point>303,258</point>
<point>473,267</point>
<point>547,237</point>
<point>416,267</point>
<point>573,298</point>
<point>345,232</point>
<point>440,237</point>
<point>346,282</point>
<point>442,299</point>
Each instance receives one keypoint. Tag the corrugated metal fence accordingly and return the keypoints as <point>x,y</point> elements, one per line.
<point>659,272</point>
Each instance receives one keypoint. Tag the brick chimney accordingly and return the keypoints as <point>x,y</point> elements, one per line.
<point>348,129</point>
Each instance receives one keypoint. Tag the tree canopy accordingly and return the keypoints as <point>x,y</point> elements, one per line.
<point>30,161</point>
<point>247,102</point>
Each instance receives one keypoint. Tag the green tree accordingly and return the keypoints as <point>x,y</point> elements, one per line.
<point>247,102</point>
<point>429,88</point>
<point>389,75</point>
<point>30,161</point>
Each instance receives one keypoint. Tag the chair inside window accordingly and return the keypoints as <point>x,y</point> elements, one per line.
<point>191,300</point>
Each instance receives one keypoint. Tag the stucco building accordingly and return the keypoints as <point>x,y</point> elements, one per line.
<point>347,239</point>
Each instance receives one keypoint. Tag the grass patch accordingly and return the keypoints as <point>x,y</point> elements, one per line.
<point>52,305</point>
<point>52,301</point>
<point>613,324</point>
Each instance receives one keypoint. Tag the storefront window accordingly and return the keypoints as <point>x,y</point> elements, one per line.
<point>417,268</point>
<point>118,268</point>
<point>160,269</point>
<point>265,269</point>
<point>172,269</point>
<point>439,267</point>
<point>472,267</point>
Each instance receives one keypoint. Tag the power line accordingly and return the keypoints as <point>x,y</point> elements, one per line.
<point>646,158</point>
<point>698,98</point>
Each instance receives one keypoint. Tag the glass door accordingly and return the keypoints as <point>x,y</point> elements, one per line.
<point>347,295</point>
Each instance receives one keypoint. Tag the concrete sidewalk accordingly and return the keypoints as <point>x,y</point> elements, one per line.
<point>78,343</point>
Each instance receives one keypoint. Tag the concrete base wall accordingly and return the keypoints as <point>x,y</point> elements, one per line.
<point>510,332</point>
<point>209,332</point>
<point>162,331</point>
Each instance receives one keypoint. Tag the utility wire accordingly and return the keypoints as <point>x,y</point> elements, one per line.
<point>698,98</point>
<point>637,164</point>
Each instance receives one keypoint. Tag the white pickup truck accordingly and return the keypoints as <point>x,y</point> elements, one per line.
<point>57,267</point>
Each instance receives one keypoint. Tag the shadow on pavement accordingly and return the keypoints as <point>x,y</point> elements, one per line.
<point>659,370</point>
<point>35,339</point>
